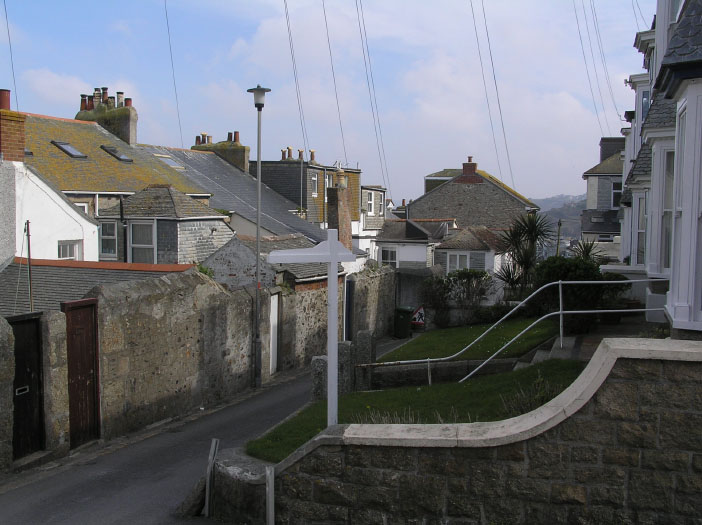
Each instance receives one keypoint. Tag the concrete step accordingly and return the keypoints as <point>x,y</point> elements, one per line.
<point>566,352</point>
<point>541,355</point>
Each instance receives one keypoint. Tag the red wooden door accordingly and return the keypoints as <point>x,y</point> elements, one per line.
<point>28,414</point>
<point>83,396</point>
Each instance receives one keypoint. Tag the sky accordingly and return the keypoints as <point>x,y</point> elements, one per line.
<point>426,74</point>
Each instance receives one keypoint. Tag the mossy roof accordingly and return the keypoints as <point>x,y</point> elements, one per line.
<point>612,165</point>
<point>99,171</point>
<point>162,201</point>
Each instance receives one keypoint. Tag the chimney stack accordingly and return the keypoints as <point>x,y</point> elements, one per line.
<point>120,99</point>
<point>312,161</point>
<point>470,174</point>
<point>339,214</point>
<point>236,137</point>
<point>83,102</point>
<point>197,140</point>
<point>5,99</point>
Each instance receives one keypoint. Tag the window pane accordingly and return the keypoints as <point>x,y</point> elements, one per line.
<point>142,234</point>
<point>477,260</point>
<point>108,229</point>
<point>640,248</point>
<point>108,247</point>
<point>669,172</point>
<point>642,213</point>
<point>143,255</point>
<point>462,261</point>
<point>666,236</point>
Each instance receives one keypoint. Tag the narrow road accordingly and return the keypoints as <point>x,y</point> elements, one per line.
<point>145,480</point>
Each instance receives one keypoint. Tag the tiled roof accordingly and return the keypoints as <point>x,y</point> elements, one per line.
<point>642,164</point>
<point>407,230</point>
<point>661,114</point>
<point>478,238</point>
<point>99,171</point>
<point>162,201</point>
<point>234,190</point>
<point>289,242</point>
<point>685,45</point>
<point>609,223</point>
<point>56,281</point>
<point>612,165</point>
<point>452,172</point>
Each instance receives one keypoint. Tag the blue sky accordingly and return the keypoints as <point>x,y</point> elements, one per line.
<point>425,67</point>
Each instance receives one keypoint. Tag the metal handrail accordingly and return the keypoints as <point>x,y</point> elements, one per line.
<point>560,313</point>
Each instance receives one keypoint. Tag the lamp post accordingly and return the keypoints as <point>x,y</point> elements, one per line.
<point>259,94</point>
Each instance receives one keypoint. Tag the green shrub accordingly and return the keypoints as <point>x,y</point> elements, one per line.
<point>436,294</point>
<point>575,297</point>
<point>492,314</point>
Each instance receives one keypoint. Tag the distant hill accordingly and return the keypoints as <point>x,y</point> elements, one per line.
<point>556,201</point>
<point>569,213</point>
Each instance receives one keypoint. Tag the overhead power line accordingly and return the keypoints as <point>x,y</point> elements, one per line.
<point>587,71</point>
<point>499,105</point>
<point>603,57</point>
<point>636,18</point>
<point>594,67</point>
<point>175,89</point>
<point>336,92</point>
<point>12,62</point>
<point>303,127</point>
<point>487,98</point>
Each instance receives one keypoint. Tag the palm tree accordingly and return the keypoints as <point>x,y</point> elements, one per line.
<point>588,250</point>
<point>520,244</point>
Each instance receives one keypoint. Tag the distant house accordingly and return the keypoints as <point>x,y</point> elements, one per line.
<point>410,244</point>
<point>470,248</point>
<point>600,219</point>
<point>472,197</point>
<point>163,226</point>
<point>373,213</point>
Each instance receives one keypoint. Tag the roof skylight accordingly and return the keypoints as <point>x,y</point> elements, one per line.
<point>168,160</point>
<point>116,153</point>
<point>69,149</point>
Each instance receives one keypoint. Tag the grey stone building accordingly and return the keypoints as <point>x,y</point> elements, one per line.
<point>471,198</point>
<point>163,226</point>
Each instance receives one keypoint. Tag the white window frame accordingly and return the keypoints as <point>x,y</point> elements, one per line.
<point>82,206</point>
<point>106,255</point>
<point>328,183</point>
<point>75,246</point>
<point>389,249</point>
<point>639,201</point>
<point>315,184</point>
<point>619,191</point>
<point>467,257</point>
<point>131,245</point>
<point>370,210</point>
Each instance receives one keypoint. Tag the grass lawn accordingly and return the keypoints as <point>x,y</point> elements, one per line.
<point>485,398</point>
<point>442,343</point>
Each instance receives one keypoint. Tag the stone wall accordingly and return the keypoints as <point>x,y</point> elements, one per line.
<point>621,445</point>
<point>170,345</point>
<point>197,240</point>
<point>55,364</point>
<point>7,379</point>
<point>373,306</point>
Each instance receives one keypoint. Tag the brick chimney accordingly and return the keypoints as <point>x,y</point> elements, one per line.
<point>339,214</point>
<point>11,130</point>
<point>120,121</point>
<point>229,150</point>
<point>469,175</point>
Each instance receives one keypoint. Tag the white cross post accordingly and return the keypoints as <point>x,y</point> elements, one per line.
<point>332,252</point>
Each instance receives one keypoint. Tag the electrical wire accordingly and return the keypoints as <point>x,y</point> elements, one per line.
<point>487,98</point>
<point>604,58</point>
<point>643,18</point>
<point>12,62</point>
<point>636,18</point>
<point>175,89</point>
<point>336,93</point>
<point>303,127</point>
<point>499,105</point>
<point>594,67</point>
<point>377,112</point>
<point>587,71</point>
<point>370,95</point>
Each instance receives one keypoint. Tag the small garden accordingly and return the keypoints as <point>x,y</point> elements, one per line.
<point>487,398</point>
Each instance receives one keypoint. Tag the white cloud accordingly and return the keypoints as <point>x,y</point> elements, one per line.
<point>56,88</point>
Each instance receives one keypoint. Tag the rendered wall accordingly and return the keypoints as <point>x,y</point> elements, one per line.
<point>7,211</point>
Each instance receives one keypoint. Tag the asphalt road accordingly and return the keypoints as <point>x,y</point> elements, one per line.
<point>143,479</point>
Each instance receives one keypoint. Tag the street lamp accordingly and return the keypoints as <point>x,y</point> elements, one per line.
<point>259,94</point>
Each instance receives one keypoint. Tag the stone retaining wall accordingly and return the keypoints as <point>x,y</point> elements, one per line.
<point>621,445</point>
<point>373,301</point>
<point>7,378</point>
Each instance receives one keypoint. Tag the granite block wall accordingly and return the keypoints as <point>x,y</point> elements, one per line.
<point>7,378</point>
<point>373,301</point>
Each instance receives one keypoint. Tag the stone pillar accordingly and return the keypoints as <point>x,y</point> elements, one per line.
<point>55,364</point>
<point>7,379</point>
<point>319,378</point>
<point>346,367</point>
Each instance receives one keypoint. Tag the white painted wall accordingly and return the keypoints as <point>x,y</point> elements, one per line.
<point>52,218</point>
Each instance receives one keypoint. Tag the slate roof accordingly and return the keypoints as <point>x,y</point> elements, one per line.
<point>99,171</point>
<point>235,190</point>
<point>289,242</point>
<point>642,164</point>
<point>56,281</point>
<point>613,165</point>
<point>162,201</point>
<point>685,45</point>
<point>661,114</point>
<point>609,225</point>
<point>402,230</point>
<point>477,238</point>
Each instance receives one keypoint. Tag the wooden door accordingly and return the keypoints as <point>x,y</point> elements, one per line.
<point>83,400</point>
<point>28,414</point>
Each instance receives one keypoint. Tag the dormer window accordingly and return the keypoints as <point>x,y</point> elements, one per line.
<point>169,161</point>
<point>69,149</point>
<point>116,153</point>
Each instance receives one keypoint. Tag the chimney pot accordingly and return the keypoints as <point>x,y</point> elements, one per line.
<point>104,95</point>
<point>290,152</point>
<point>91,102</point>
<point>83,102</point>
<point>312,155</point>
<point>299,154</point>
<point>197,140</point>
<point>97,97</point>
<point>128,102</point>
<point>229,136</point>
<point>120,99</point>
<point>204,137</point>
<point>4,99</point>
<point>403,202</point>
<point>209,139</point>
<point>470,158</point>
<point>236,137</point>
<point>111,102</point>
<point>282,154</point>
<point>470,167</point>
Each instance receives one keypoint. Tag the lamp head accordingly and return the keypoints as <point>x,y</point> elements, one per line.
<point>259,94</point>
